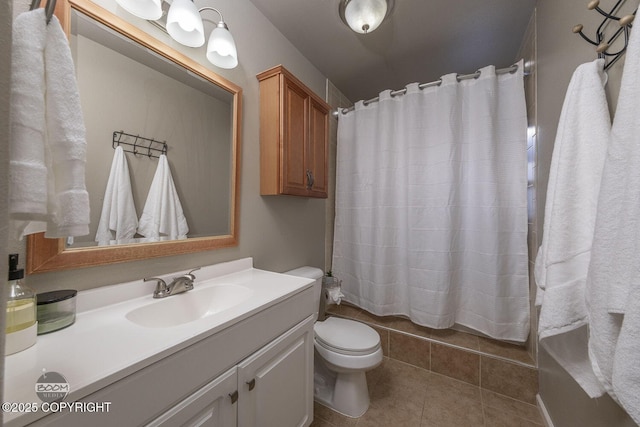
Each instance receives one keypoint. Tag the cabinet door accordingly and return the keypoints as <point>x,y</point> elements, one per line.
<point>214,405</point>
<point>276,383</point>
<point>317,156</point>
<point>294,140</point>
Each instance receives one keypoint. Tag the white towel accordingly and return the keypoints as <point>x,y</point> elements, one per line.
<point>570,214</point>
<point>66,138</point>
<point>625,160</point>
<point>118,209</point>
<point>621,255</point>
<point>28,168</point>
<point>162,214</point>
<point>48,148</point>
<point>615,261</point>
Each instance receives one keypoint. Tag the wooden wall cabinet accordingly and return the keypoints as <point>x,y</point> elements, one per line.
<point>294,132</point>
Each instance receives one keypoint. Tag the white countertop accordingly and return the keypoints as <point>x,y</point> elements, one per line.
<point>102,346</point>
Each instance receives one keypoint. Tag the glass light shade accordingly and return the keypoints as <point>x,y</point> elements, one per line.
<point>221,49</point>
<point>145,9</point>
<point>184,23</point>
<point>364,16</point>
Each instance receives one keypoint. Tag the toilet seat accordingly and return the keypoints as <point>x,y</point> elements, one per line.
<point>346,337</point>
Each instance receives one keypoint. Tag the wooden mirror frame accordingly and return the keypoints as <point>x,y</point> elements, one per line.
<point>44,255</point>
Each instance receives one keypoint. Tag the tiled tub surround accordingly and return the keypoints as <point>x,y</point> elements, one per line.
<point>495,382</point>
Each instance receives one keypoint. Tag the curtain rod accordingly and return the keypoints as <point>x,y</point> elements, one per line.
<point>512,69</point>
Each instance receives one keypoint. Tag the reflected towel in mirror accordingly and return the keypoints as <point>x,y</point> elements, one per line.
<point>162,213</point>
<point>118,209</point>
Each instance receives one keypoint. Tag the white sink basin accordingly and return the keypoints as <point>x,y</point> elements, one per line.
<point>189,306</point>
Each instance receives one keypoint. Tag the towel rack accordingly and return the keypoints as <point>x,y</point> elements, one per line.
<point>601,42</point>
<point>139,145</point>
<point>49,8</point>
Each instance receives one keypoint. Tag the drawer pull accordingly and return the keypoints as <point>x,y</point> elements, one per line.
<point>251,384</point>
<point>234,397</point>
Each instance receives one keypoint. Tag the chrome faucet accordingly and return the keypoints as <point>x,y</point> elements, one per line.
<point>178,285</point>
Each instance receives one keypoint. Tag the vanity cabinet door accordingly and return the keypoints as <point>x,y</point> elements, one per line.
<point>276,383</point>
<point>214,405</point>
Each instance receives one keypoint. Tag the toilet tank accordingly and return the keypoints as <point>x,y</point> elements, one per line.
<point>315,274</point>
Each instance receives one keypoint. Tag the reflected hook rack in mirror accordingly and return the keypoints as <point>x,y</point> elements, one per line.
<point>153,148</point>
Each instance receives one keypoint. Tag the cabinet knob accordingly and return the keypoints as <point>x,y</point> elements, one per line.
<point>251,384</point>
<point>234,397</point>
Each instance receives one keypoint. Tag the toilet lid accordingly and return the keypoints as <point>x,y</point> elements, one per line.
<point>346,335</point>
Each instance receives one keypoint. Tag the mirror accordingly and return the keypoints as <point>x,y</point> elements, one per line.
<point>175,100</point>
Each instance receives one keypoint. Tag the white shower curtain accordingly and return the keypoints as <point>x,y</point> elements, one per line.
<point>431,205</point>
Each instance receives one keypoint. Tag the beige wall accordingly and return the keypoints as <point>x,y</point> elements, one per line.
<point>279,232</point>
<point>559,52</point>
<point>5,63</point>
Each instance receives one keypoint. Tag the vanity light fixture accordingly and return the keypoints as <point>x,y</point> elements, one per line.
<point>364,16</point>
<point>185,26</point>
<point>145,9</point>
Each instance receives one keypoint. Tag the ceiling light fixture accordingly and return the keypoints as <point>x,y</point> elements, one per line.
<point>364,16</point>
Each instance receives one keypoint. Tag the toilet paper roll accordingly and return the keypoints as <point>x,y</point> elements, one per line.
<point>334,295</point>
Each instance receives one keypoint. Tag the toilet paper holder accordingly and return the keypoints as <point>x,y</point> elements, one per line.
<point>331,286</point>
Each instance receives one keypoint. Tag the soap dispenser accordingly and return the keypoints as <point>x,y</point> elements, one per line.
<point>22,327</point>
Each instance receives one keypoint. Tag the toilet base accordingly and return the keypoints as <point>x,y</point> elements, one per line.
<point>345,393</point>
<point>351,395</point>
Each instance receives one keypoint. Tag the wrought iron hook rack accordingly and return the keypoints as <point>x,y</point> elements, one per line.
<point>601,42</point>
<point>144,146</point>
<point>49,9</point>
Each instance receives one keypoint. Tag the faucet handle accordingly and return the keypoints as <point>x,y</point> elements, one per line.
<point>191,275</point>
<point>190,278</point>
<point>161,287</point>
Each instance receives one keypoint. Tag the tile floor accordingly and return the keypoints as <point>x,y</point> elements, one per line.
<point>403,395</point>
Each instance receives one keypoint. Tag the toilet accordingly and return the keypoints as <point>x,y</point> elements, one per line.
<point>344,351</point>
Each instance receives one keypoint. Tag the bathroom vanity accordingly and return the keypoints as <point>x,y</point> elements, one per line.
<point>236,350</point>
